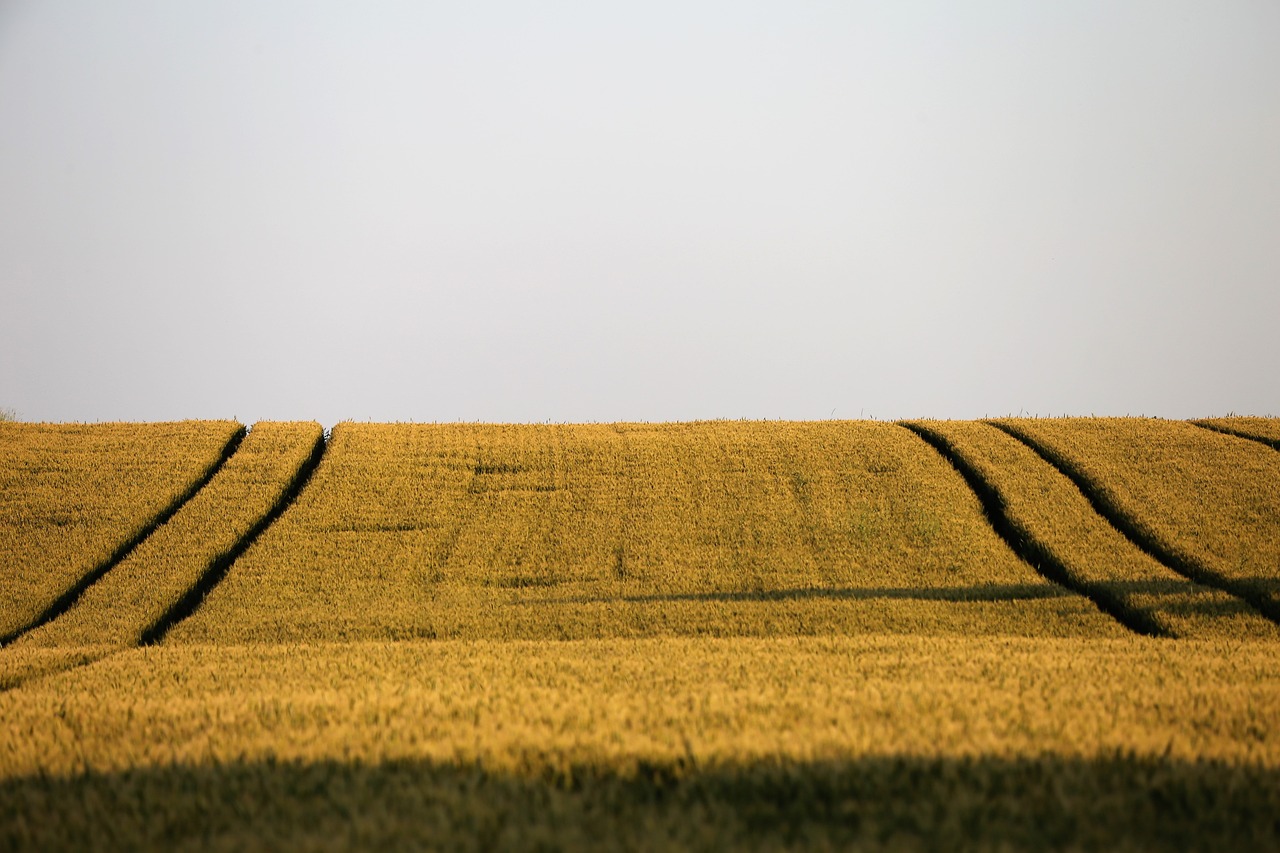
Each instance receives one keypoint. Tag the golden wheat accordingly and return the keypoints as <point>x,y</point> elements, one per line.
<point>1266,430</point>
<point>1211,501</point>
<point>72,494</point>
<point>623,701</point>
<point>722,528</point>
<point>20,664</point>
<point>1052,511</point>
<point>744,723</point>
<point>153,578</point>
<point>934,726</point>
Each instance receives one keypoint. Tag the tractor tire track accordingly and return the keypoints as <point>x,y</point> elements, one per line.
<point>1030,549</point>
<point>67,599</point>
<point>1183,564</point>
<point>11,682</point>
<point>1273,443</point>
<point>217,569</point>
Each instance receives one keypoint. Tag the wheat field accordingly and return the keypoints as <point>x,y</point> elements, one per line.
<point>73,496</point>
<point>569,532</point>
<point>1207,503</point>
<point>1044,634</point>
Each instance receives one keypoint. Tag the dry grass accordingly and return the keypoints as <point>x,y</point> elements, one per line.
<point>71,494</point>
<point>138,592</point>
<point>1211,501</point>
<point>1047,507</point>
<point>722,528</point>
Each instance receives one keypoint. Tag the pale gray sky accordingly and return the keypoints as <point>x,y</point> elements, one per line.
<point>655,211</point>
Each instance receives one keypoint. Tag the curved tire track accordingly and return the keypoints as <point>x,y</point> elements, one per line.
<point>64,602</point>
<point>1274,444</point>
<point>1183,564</point>
<point>1029,548</point>
<point>221,564</point>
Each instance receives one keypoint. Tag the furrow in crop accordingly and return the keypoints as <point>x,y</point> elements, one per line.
<point>220,565</point>
<point>1237,432</point>
<point>22,667</point>
<point>68,598</point>
<point>1105,506</point>
<point>1031,549</point>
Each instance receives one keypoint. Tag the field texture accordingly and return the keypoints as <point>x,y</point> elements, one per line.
<point>138,597</point>
<point>74,497</point>
<point>1206,503</point>
<point>1265,430</point>
<point>1066,537</point>
<point>880,741</point>
<point>562,532</point>
<point>1020,634</point>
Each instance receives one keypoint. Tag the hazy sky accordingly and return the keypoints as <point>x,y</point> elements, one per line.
<point>648,211</point>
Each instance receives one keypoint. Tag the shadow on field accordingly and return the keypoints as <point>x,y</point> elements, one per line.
<point>976,592</point>
<point>1031,803</point>
<point>979,592</point>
